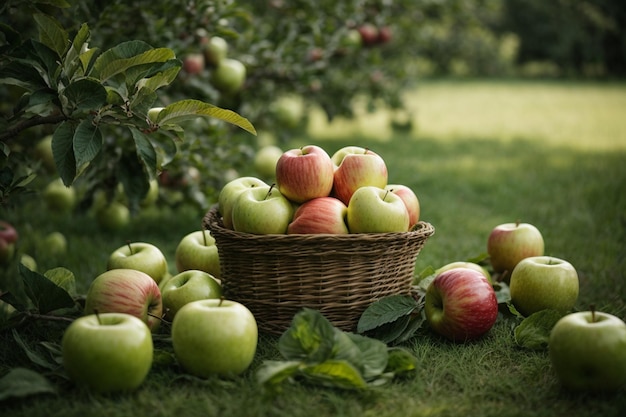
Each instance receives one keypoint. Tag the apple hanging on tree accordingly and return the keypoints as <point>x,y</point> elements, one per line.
<point>107,352</point>
<point>8,238</point>
<point>228,76</point>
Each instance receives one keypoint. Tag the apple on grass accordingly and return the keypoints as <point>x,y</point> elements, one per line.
<point>305,173</point>
<point>262,210</point>
<point>509,243</point>
<point>410,200</point>
<point>187,286</point>
<point>141,256</point>
<point>543,282</point>
<point>230,192</point>
<point>107,352</point>
<point>197,250</point>
<point>126,291</point>
<point>356,167</point>
<point>320,215</point>
<point>461,304</point>
<point>8,237</point>
<point>588,352</point>
<point>376,210</point>
<point>214,337</point>
<point>464,264</point>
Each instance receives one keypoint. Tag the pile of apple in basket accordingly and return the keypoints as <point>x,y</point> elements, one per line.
<point>317,193</point>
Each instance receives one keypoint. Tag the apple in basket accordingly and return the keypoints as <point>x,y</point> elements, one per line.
<point>356,167</point>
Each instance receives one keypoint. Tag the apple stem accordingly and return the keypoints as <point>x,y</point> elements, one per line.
<point>386,194</point>
<point>130,248</point>
<point>517,222</point>
<point>98,316</point>
<point>221,301</point>
<point>204,237</point>
<point>269,191</point>
<point>592,307</point>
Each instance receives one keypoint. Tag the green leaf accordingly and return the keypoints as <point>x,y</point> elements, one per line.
<point>145,150</point>
<point>87,142</point>
<point>84,95</point>
<point>32,355</point>
<point>63,152</point>
<point>345,348</point>
<point>22,382</point>
<point>161,79</point>
<point>120,58</point>
<point>52,34</point>
<point>401,362</point>
<point>133,176</point>
<point>386,310</point>
<point>310,337</point>
<point>23,74</point>
<point>336,374</point>
<point>276,372</point>
<point>183,110</point>
<point>62,277</point>
<point>45,294</point>
<point>503,293</point>
<point>374,355</point>
<point>534,331</point>
<point>72,60</point>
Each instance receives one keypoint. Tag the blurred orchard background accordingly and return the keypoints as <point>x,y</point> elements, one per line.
<point>309,64</point>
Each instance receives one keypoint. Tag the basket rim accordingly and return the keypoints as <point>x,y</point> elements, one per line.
<point>213,221</point>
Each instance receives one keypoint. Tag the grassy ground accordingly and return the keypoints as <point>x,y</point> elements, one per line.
<point>551,154</point>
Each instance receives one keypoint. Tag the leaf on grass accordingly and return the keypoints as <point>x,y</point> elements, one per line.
<point>335,373</point>
<point>22,382</point>
<point>401,362</point>
<point>386,310</point>
<point>45,294</point>
<point>373,358</point>
<point>310,337</point>
<point>275,372</point>
<point>534,331</point>
<point>33,356</point>
<point>62,277</point>
<point>503,293</point>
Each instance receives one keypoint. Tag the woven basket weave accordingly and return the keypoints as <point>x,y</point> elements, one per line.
<point>339,275</point>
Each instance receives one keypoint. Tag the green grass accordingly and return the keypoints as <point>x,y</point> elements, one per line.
<point>551,154</point>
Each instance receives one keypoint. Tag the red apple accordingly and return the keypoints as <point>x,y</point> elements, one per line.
<point>509,243</point>
<point>320,215</point>
<point>369,34</point>
<point>461,304</point>
<point>193,63</point>
<point>126,291</point>
<point>384,34</point>
<point>410,201</point>
<point>305,173</point>
<point>8,237</point>
<point>356,167</point>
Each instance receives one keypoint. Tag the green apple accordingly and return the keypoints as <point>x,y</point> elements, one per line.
<point>197,250</point>
<point>262,210</point>
<point>543,282</point>
<point>288,111</point>
<point>113,216</point>
<point>509,243</point>
<point>376,210</point>
<point>214,337</point>
<point>107,352</point>
<point>188,286</point>
<point>265,160</point>
<point>228,76</point>
<point>43,152</point>
<point>230,192</point>
<point>215,50</point>
<point>58,197</point>
<point>463,264</point>
<point>141,256</point>
<point>126,291</point>
<point>588,351</point>
<point>28,261</point>
<point>55,244</point>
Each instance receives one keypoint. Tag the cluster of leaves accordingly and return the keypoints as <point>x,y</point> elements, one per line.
<point>317,352</point>
<point>98,102</point>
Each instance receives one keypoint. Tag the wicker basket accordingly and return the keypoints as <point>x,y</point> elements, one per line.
<point>339,275</point>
